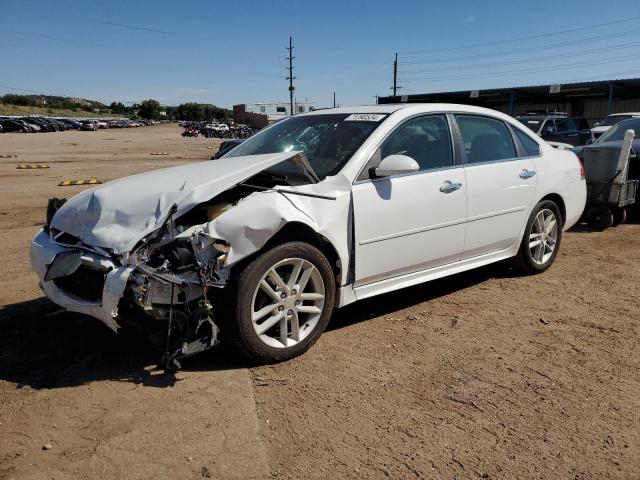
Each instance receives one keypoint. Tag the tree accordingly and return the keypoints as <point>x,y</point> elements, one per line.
<point>117,107</point>
<point>149,109</point>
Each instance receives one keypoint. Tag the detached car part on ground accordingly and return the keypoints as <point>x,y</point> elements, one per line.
<point>312,213</point>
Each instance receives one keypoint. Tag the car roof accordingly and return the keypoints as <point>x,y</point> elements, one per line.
<point>413,107</point>
<point>636,114</point>
<point>552,115</point>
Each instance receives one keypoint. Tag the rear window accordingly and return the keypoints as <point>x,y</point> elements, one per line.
<point>530,146</point>
<point>533,124</point>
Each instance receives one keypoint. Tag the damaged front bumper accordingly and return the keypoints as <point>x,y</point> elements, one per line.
<point>105,308</point>
<point>159,290</point>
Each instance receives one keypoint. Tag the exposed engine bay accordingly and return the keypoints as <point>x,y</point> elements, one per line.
<point>170,284</point>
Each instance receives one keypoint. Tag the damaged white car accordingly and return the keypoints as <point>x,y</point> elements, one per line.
<point>312,213</point>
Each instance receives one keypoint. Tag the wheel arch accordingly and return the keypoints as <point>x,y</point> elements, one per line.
<point>559,201</point>
<point>299,232</point>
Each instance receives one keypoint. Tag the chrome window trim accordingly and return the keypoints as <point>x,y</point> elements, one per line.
<point>515,140</point>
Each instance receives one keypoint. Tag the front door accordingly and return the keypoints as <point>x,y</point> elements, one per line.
<point>411,222</point>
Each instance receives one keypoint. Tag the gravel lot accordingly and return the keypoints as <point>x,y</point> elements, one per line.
<point>482,375</point>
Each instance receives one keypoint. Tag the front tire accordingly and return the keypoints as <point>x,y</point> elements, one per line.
<point>541,239</point>
<point>282,303</point>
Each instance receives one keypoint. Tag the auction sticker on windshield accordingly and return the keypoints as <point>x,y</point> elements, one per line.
<point>364,117</point>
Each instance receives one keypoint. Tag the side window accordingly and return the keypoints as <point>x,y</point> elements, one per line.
<point>567,125</point>
<point>425,139</point>
<point>485,139</point>
<point>549,127</point>
<point>584,124</point>
<point>531,147</point>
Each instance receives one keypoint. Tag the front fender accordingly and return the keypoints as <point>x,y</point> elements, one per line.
<point>256,219</point>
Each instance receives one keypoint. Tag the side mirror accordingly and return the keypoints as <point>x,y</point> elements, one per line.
<point>597,124</point>
<point>396,165</point>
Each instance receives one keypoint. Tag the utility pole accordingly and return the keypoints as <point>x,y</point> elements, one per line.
<point>291,78</point>
<point>334,99</point>
<point>395,76</point>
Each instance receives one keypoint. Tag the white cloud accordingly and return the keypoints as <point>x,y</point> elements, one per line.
<point>470,20</point>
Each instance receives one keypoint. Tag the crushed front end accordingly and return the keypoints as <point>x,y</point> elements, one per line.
<point>161,288</point>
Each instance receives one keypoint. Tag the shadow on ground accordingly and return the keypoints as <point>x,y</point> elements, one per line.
<point>633,217</point>
<point>42,347</point>
<point>424,292</point>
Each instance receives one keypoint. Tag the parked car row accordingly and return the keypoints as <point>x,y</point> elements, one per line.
<point>217,130</point>
<point>33,124</point>
<point>559,128</point>
<point>605,125</point>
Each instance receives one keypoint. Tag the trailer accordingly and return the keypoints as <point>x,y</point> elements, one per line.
<point>609,190</point>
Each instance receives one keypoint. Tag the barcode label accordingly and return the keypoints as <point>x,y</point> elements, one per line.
<point>364,117</point>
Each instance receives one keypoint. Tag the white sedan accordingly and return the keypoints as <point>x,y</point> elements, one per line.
<point>314,212</point>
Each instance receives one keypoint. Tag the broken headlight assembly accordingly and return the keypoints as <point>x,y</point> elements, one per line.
<point>168,292</point>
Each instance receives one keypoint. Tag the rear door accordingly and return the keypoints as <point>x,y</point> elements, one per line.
<point>501,183</point>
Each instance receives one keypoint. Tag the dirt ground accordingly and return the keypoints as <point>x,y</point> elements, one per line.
<point>485,374</point>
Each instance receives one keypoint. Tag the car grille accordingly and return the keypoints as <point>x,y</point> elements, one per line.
<point>85,283</point>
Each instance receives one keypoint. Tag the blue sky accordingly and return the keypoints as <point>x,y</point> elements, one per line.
<point>231,52</point>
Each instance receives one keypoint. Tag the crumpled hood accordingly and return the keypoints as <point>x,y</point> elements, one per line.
<point>118,214</point>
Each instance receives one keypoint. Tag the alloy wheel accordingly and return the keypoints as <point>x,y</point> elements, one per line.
<point>287,302</point>
<point>543,236</point>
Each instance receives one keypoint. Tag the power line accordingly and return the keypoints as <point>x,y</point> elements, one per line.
<point>531,37</point>
<point>527,49</point>
<point>60,39</point>
<point>513,72</point>
<point>134,27</point>
<point>525,60</point>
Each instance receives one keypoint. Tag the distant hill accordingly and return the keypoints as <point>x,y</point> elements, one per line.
<point>53,102</point>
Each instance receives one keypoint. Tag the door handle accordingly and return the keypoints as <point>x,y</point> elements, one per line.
<point>448,187</point>
<point>527,173</point>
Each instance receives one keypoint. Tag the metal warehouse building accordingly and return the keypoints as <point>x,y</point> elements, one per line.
<point>593,100</point>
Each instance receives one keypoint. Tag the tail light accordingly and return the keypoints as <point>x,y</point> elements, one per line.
<point>581,168</point>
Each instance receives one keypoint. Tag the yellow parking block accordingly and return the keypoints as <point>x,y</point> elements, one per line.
<point>68,183</point>
<point>31,166</point>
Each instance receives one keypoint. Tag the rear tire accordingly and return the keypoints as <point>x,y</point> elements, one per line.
<point>619,216</point>
<point>281,303</point>
<point>541,239</point>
